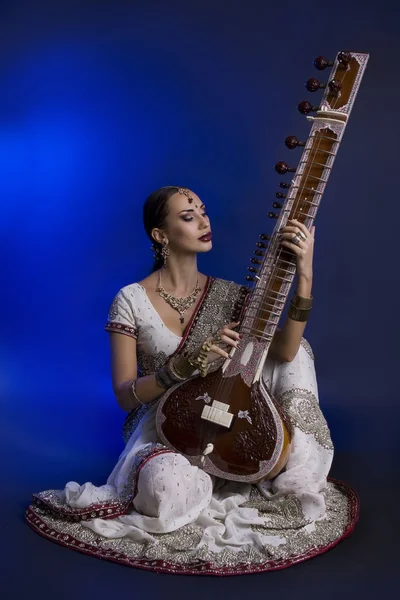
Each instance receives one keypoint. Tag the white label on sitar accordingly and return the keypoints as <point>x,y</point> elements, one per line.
<point>244,359</point>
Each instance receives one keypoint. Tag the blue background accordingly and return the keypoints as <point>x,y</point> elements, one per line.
<point>103,102</point>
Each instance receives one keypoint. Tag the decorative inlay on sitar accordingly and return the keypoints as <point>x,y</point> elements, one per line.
<point>228,422</point>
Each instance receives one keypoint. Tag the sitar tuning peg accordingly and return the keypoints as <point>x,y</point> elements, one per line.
<point>252,269</point>
<point>280,195</point>
<point>277,205</point>
<point>284,185</point>
<point>282,168</point>
<point>344,58</point>
<point>265,236</point>
<point>334,86</point>
<point>273,215</point>
<point>292,142</point>
<point>306,107</point>
<point>321,63</point>
<point>250,278</point>
<point>255,261</point>
<point>313,85</point>
<point>261,245</point>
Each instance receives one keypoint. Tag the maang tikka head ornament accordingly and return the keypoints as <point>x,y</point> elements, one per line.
<point>186,193</point>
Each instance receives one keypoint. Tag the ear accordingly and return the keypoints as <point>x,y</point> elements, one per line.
<point>158,236</point>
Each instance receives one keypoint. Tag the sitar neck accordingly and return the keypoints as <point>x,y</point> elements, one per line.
<point>276,269</point>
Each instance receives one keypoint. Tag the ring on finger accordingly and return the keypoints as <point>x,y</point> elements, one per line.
<point>296,239</point>
<point>302,235</point>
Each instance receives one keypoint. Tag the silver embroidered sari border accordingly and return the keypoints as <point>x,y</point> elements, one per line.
<point>152,556</point>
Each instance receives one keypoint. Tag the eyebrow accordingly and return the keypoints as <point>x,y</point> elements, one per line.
<point>190,209</point>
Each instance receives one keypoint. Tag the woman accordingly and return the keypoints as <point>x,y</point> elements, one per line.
<point>156,510</point>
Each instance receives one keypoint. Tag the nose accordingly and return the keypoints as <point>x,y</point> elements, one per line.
<point>203,222</point>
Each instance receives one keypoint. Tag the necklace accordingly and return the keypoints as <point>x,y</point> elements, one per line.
<point>178,304</point>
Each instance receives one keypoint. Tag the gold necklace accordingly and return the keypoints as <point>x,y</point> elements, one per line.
<point>179,304</point>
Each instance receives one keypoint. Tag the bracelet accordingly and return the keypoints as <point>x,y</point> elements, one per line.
<point>298,314</point>
<point>163,379</point>
<point>176,374</point>
<point>181,367</point>
<point>299,308</point>
<point>302,303</point>
<point>167,375</point>
<point>133,388</point>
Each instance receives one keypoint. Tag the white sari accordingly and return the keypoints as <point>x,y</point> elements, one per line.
<point>156,511</point>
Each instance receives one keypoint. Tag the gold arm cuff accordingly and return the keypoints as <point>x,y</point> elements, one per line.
<point>298,315</point>
<point>302,303</point>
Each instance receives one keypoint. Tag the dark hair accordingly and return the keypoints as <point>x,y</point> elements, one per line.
<point>155,211</point>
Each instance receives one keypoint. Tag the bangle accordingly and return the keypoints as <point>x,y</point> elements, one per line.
<point>163,379</point>
<point>298,314</point>
<point>174,373</point>
<point>167,376</point>
<point>133,388</point>
<point>180,368</point>
<point>302,303</point>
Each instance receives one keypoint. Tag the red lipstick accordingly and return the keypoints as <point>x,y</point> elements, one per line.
<point>206,237</point>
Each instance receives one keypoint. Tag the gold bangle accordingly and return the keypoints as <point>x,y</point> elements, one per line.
<point>297,314</point>
<point>183,370</point>
<point>302,303</point>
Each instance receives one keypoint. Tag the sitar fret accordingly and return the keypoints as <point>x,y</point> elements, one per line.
<point>257,311</point>
<point>315,164</point>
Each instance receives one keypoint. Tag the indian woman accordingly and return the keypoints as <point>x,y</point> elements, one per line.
<point>157,511</point>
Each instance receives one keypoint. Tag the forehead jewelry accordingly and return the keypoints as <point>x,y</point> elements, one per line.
<point>186,193</point>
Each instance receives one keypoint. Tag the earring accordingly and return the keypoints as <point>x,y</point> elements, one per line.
<point>156,251</point>
<point>165,252</point>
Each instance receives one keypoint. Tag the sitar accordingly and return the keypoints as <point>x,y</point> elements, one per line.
<point>238,429</point>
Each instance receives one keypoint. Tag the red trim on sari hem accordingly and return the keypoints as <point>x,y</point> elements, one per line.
<point>160,566</point>
<point>84,514</point>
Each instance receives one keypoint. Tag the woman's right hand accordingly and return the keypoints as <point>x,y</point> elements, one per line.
<point>229,338</point>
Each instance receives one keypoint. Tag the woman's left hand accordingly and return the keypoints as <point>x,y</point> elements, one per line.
<point>304,249</point>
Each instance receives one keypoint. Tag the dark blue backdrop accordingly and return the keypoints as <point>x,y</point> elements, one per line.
<point>103,102</point>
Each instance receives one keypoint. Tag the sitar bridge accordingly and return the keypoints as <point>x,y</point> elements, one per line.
<point>218,413</point>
